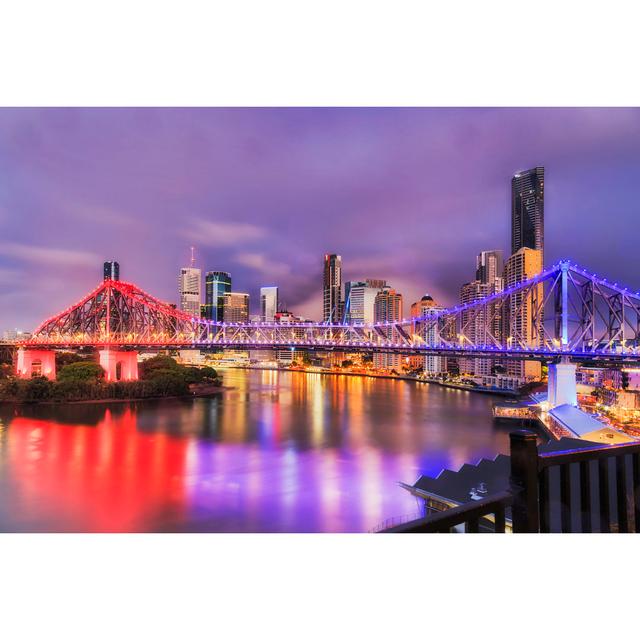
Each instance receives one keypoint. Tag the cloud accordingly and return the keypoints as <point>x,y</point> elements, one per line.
<point>43,255</point>
<point>260,262</point>
<point>222,234</point>
<point>99,213</point>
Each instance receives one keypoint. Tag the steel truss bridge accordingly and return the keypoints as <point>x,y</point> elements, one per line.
<point>564,311</point>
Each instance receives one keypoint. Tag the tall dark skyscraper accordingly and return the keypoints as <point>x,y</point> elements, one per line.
<point>332,285</point>
<point>527,210</point>
<point>111,271</point>
<point>216,284</point>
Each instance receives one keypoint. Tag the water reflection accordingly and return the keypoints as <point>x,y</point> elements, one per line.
<point>281,452</point>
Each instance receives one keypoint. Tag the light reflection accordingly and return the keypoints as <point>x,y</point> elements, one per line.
<point>280,452</point>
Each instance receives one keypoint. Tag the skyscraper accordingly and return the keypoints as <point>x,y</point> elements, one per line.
<point>489,266</point>
<point>474,322</point>
<point>235,307</point>
<point>359,300</point>
<point>388,308</point>
<point>527,210</point>
<point>427,307</point>
<point>523,319</point>
<point>217,283</point>
<point>332,286</point>
<point>268,303</point>
<point>189,288</point>
<point>111,270</point>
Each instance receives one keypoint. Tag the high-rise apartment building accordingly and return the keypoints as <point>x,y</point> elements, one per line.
<point>332,286</point>
<point>527,210</point>
<point>523,319</point>
<point>489,266</point>
<point>427,307</point>
<point>482,324</point>
<point>474,322</point>
<point>388,308</point>
<point>268,303</point>
<point>111,270</point>
<point>359,300</point>
<point>217,283</point>
<point>189,290</point>
<point>235,307</point>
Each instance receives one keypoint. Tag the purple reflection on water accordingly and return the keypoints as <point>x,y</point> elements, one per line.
<point>280,452</point>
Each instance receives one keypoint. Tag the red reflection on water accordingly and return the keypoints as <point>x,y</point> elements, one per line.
<point>108,477</point>
<point>279,452</point>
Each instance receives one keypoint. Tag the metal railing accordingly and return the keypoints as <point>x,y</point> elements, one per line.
<point>471,515</point>
<point>565,491</point>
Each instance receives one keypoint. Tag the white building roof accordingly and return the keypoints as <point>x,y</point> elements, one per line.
<point>576,420</point>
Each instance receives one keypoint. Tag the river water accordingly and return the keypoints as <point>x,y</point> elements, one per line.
<point>281,451</point>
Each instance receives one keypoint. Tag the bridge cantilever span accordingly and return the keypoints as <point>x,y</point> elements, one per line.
<point>564,311</point>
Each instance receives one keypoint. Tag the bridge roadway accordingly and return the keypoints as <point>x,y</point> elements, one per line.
<point>603,355</point>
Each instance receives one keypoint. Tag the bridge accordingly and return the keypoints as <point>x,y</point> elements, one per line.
<point>565,312</point>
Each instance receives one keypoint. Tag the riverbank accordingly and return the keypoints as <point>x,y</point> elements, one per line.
<point>207,391</point>
<point>452,385</point>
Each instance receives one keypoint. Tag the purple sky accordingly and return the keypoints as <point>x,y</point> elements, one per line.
<point>410,195</point>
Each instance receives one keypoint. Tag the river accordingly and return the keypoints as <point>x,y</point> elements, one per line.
<point>281,451</point>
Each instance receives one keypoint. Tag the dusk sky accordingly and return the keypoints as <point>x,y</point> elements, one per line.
<point>409,195</point>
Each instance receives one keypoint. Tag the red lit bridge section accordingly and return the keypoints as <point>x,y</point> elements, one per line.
<point>564,311</point>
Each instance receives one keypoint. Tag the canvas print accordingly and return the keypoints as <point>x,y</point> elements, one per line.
<point>363,320</point>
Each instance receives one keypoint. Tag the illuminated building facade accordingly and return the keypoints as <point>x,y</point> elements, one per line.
<point>425,307</point>
<point>523,318</point>
<point>360,299</point>
<point>217,283</point>
<point>111,270</point>
<point>527,210</point>
<point>387,308</point>
<point>235,307</point>
<point>189,290</point>
<point>332,289</point>
<point>268,303</point>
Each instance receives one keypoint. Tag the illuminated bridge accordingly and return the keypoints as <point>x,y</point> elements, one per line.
<point>566,311</point>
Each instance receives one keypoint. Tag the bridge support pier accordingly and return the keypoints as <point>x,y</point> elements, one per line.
<point>562,384</point>
<point>36,362</point>
<point>119,365</point>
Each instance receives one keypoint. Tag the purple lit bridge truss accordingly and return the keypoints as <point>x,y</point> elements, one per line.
<point>564,311</point>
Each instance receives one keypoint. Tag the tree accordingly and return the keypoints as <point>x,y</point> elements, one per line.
<point>38,389</point>
<point>624,381</point>
<point>209,373</point>
<point>63,358</point>
<point>157,362</point>
<point>168,383</point>
<point>85,370</point>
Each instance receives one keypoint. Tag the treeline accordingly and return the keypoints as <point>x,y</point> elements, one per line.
<point>160,376</point>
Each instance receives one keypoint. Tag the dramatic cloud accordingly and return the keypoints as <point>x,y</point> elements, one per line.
<point>48,257</point>
<point>222,234</point>
<point>262,264</point>
<point>409,195</point>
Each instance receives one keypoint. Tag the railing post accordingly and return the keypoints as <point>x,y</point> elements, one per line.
<point>524,482</point>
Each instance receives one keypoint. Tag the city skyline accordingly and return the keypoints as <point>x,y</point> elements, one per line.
<point>362,179</point>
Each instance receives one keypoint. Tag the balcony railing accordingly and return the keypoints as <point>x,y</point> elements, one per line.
<point>582,490</point>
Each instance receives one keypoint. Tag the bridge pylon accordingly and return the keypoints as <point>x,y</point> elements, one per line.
<point>119,365</point>
<point>562,387</point>
<point>36,362</point>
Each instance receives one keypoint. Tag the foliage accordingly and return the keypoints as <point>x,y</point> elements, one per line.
<point>347,363</point>
<point>64,358</point>
<point>6,371</point>
<point>624,383</point>
<point>34,390</point>
<point>148,367</point>
<point>83,370</point>
<point>162,376</point>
